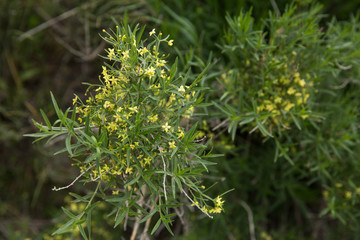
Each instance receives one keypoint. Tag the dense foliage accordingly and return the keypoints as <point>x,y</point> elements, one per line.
<point>269,91</point>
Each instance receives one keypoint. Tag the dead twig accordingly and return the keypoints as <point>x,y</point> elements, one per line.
<point>50,22</point>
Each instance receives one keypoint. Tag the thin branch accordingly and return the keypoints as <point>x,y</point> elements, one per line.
<point>252,130</point>
<point>141,203</point>
<point>144,235</point>
<point>346,82</point>
<point>72,183</point>
<point>250,219</point>
<point>221,124</point>
<point>164,180</point>
<point>61,128</point>
<point>95,179</point>
<point>49,23</point>
<point>342,67</point>
<point>196,204</point>
<point>276,8</point>
<point>68,47</point>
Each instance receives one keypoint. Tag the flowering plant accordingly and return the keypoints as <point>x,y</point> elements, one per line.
<point>134,137</point>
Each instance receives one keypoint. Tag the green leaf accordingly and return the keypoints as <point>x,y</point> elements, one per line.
<point>173,187</point>
<point>148,216</point>
<point>82,232</point>
<point>57,110</point>
<point>166,224</point>
<point>157,225</point>
<point>46,119</point>
<point>119,218</point>
<point>67,212</point>
<point>68,144</point>
<point>263,129</point>
<point>64,228</point>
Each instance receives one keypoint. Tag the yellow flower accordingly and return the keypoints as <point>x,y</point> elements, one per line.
<point>111,53</point>
<point>118,118</point>
<point>148,160</point>
<point>325,193</point>
<point>215,210</point>
<point>143,51</point>
<point>171,42</point>
<point>181,89</point>
<point>153,118</point>
<point>134,109</point>
<point>302,83</point>
<point>172,145</point>
<point>129,170</point>
<point>348,194</point>
<point>218,201</point>
<point>112,127</point>
<point>126,54</point>
<point>75,100</point>
<point>181,134</point>
<point>160,63</point>
<point>150,72</point>
<point>152,32</point>
<point>291,91</point>
<point>166,127</point>
<point>338,185</point>
<point>277,99</point>
<point>289,106</point>
<point>204,209</point>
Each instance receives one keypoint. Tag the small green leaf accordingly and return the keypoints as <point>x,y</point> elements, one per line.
<point>82,231</point>
<point>64,228</point>
<point>68,144</point>
<point>157,225</point>
<point>148,216</point>
<point>119,218</point>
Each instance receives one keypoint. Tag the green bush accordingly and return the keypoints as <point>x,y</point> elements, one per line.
<point>273,94</point>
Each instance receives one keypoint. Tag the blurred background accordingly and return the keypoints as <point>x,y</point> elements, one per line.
<point>54,45</point>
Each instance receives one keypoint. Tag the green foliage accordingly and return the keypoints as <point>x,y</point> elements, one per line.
<point>279,101</point>
<point>133,136</point>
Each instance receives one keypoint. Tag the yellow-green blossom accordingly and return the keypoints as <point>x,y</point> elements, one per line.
<point>152,32</point>
<point>166,127</point>
<point>172,145</point>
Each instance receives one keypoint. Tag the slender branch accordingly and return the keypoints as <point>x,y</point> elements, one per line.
<point>61,128</point>
<point>48,23</point>
<point>276,8</point>
<point>164,180</point>
<point>95,179</point>
<point>164,164</point>
<point>72,183</point>
<point>141,203</point>
<point>196,204</point>
<point>342,67</point>
<point>250,219</point>
<point>252,130</point>
<point>221,124</point>
<point>144,235</point>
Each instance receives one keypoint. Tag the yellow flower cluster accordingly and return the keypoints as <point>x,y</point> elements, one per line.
<point>115,108</point>
<point>287,92</point>
<point>218,208</point>
<point>284,91</point>
<point>339,189</point>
